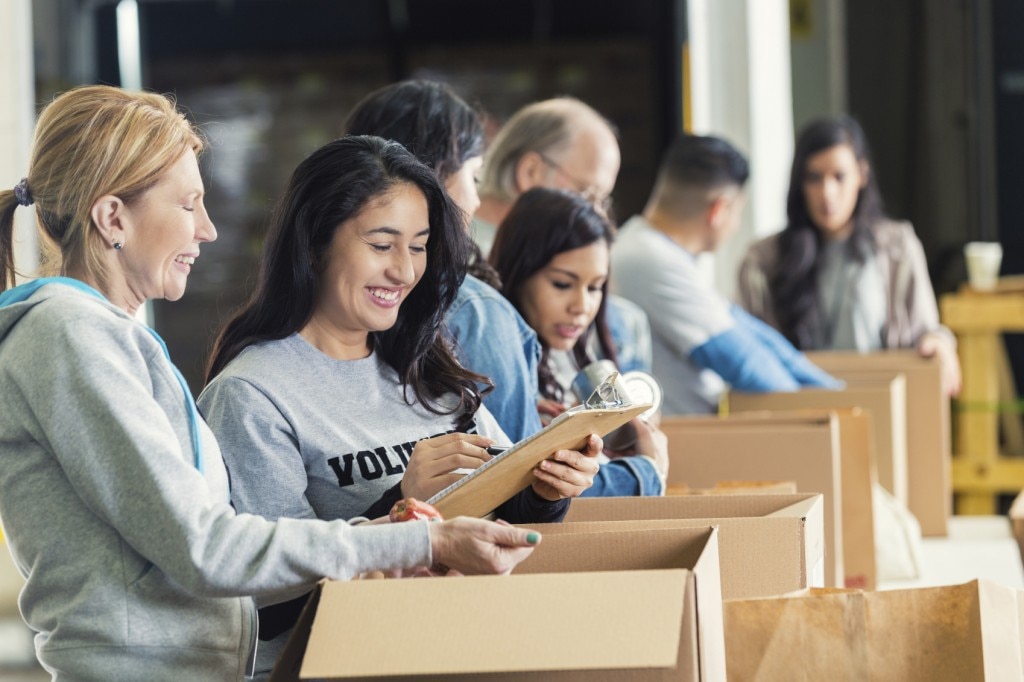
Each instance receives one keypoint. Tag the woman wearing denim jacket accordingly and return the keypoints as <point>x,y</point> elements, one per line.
<point>552,252</point>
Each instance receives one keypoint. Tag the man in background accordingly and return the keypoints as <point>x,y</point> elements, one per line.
<point>701,341</point>
<point>560,143</point>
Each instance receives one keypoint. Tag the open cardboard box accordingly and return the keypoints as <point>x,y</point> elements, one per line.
<point>1017,521</point>
<point>632,605</point>
<point>882,396</point>
<point>960,632</point>
<point>802,448</point>
<point>858,478</point>
<point>767,544</point>
<point>930,493</point>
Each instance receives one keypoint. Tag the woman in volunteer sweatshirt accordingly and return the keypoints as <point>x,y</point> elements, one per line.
<point>113,494</point>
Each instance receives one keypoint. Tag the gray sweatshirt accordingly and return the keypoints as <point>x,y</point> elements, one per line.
<point>135,561</point>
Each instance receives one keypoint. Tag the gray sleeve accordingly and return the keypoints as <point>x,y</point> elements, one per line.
<point>92,389</point>
<point>260,450</point>
<point>682,313</point>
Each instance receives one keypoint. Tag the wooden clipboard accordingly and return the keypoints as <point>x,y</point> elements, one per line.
<point>479,493</point>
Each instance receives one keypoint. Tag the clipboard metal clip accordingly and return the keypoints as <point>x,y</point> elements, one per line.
<point>609,393</point>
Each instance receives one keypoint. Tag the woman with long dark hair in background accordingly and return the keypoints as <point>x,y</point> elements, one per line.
<point>842,275</point>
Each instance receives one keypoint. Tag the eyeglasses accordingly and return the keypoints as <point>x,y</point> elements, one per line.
<point>588,192</point>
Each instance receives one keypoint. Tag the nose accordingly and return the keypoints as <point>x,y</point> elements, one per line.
<point>205,230</point>
<point>401,270</point>
<point>830,188</point>
<point>580,304</point>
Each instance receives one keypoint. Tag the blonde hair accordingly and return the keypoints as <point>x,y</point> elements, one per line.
<point>545,127</point>
<point>89,142</point>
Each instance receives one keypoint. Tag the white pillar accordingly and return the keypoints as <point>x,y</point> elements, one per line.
<point>741,90</point>
<point>17,118</point>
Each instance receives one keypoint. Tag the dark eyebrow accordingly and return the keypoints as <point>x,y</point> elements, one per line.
<point>566,273</point>
<point>396,233</point>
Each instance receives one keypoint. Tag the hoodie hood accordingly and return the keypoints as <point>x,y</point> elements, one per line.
<point>14,303</point>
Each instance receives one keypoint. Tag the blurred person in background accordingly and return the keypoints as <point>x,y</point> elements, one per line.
<point>842,275</point>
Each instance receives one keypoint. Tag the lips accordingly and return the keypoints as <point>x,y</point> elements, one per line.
<point>385,297</point>
<point>568,331</point>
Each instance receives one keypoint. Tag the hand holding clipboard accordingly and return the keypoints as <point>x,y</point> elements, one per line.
<point>480,492</point>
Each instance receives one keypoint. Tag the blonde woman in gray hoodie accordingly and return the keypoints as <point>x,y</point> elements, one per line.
<point>113,493</point>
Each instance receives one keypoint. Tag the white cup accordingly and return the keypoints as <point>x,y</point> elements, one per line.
<point>983,260</point>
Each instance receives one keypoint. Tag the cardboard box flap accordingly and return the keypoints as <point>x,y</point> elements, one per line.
<point>800,508</point>
<point>287,666</point>
<point>1017,521</point>
<point>710,621</point>
<point>695,507</point>
<point>429,620</point>
<point>581,547</point>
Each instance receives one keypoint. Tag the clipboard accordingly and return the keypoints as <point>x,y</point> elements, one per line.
<point>480,492</point>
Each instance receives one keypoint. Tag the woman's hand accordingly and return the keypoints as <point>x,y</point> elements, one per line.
<point>935,344</point>
<point>652,441</point>
<point>433,461</point>
<point>548,410</point>
<point>567,473</point>
<point>474,546</point>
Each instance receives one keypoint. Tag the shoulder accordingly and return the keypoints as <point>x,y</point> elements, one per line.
<point>477,301</point>
<point>635,231</point>
<point>763,253</point>
<point>66,317</point>
<point>895,237</point>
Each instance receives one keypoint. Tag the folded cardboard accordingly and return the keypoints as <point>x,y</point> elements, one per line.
<point>883,397</point>
<point>735,488</point>
<point>961,632</point>
<point>805,449</point>
<point>768,544</point>
<point>930,496</point>
<point>640,605</point>
<point>1017,521</point>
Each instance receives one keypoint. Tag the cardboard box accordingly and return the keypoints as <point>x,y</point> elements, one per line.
<point>858,478</point>
<point>767,544</point>
<point>635,605</point>
<point>803,448</point>
<point>930,494</point>
<point>961,632</point>
<point>1017,521</point>
<point>883,396</point>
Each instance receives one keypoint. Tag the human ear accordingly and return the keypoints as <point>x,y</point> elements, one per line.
<point>108,215</point>
<point>718,211</point>
<point>865,171</point>
<point>530,171</point>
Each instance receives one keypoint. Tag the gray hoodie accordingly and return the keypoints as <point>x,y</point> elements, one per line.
<point>134,559</point>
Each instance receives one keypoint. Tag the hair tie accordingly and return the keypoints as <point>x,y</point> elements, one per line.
<point>22,193</point>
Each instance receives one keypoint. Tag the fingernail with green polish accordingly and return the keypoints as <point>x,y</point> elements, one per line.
<point>533,537</point>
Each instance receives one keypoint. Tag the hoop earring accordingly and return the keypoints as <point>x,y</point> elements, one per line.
<point>118,246</point>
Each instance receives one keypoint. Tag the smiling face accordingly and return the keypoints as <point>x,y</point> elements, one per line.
<point>832,182</point>
<point>374,261</point>
<point>560,301</point>
<point>163,228</point>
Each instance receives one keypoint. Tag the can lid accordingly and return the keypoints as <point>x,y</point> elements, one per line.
<point>643,388</point>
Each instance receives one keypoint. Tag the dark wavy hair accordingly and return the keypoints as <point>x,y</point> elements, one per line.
<point>433,123</point>
<point>794,280</point>
<point>330,187</point>
<point>541,224</point>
